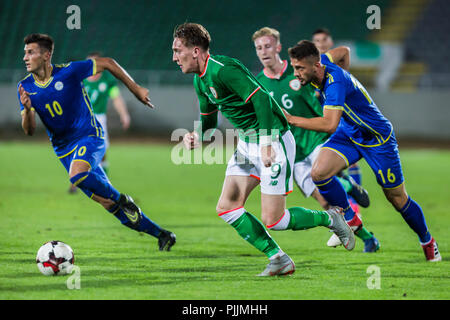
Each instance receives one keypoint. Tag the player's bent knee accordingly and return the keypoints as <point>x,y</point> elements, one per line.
<point>271,218</point>
<point>222,208</point>
<point>319,175</point>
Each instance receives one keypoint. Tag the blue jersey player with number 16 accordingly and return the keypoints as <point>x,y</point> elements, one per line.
<point>359,130</point>
<point>56,93</point>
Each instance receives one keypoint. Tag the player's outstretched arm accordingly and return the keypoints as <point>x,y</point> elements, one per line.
<point>28,116</point>
<point>117,71</point>
<point>121,108</point>
<point>341,56</point>
<point>328,123</point>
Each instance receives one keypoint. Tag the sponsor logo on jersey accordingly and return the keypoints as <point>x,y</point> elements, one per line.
<point>213,91</point>
<point>295,84</point>
<point>59,85</point>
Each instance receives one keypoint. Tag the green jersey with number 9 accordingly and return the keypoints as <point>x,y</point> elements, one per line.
<point>299,101</point>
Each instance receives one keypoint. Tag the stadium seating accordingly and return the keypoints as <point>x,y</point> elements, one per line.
<point>139,34</point>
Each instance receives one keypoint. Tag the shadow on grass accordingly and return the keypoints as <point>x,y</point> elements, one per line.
<point>98,279</point>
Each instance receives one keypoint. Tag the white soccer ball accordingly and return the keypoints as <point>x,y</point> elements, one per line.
<point>55,258</point>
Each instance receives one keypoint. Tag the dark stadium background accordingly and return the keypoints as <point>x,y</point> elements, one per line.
<point>411,51</point>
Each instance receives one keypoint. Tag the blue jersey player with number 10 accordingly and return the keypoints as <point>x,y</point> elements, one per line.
<point>359,130</point>
<point>56,93</point>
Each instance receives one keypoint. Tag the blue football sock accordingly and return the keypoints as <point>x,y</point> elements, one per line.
<point>96,183</point>
<point>355,172</point>
<point>332,190</point>
<point>146,225</point>
<point>413,215</point>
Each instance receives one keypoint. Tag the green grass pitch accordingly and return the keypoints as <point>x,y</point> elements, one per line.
<point>210,261</point>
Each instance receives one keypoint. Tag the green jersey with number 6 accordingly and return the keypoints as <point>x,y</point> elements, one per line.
<point>226,85</point>
<point>299,101</point>
<point>100,91</point>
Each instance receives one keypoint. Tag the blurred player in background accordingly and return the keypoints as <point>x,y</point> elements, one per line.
<point>56,94</point>
<point>278,77</point>
<point>359,130</point>
<point>100,88</point>
<point>265,151</point>
<point>324,42</point>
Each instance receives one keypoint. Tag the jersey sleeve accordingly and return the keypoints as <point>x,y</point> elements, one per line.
<point>208,115</point>
<point>113,89</point>
<point>335,95</point>
<point>239,82</point>
<point>114,92</point>
<point>326,58</point>
<point>247,88</point>
<point>83,69</point>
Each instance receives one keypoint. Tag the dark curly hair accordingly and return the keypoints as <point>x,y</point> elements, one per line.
<point>304,49</point>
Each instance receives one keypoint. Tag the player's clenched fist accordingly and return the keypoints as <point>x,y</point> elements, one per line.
<point>191,140</point>
<point>24,98</point>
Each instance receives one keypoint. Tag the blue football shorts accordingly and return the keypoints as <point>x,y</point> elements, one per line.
<point>384,159</point>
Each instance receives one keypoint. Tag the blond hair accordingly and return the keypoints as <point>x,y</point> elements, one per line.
<point>266,31</point>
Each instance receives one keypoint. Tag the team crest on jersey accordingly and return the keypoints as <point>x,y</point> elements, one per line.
<point>59,85</point>
<point>102,87</point>
<point>213,91</point>
<point>295,84</point>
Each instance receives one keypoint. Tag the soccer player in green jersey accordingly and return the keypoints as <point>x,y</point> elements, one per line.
<point>265,151</point>
<point>278,77</point>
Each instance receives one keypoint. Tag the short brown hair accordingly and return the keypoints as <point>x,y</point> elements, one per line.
<point>322,30</point>
<point>193,35</point>
<point>266,31</point>
<point>43,40</point>
<point>304,49</point>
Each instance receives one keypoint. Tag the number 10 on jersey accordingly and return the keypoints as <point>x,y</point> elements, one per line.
<point>56,108</point>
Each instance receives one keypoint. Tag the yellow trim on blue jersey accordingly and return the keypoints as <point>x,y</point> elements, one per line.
<point>25,77</point>
<point>378,136</point>
<point>45,84</point>
<point>94,66</point>
<point>63,65</point>
<point>373,145</point>
<point>330,107</point>
<point>330,78</point>
<point>360,87</point>
<point>85,95</point>
<point>329,56</point>
<point>395,187</point>
<point>339,153</point>
<point>68,152</point>
<point>42,85</point>
<point>82,161</point>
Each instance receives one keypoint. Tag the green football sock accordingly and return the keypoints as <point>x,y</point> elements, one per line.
<point>253,231</point>
<point>302,218</point>
<point>346,184</point>
<point>363,234</point>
